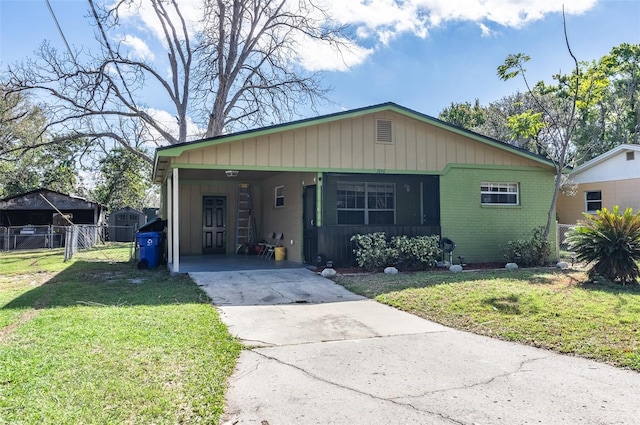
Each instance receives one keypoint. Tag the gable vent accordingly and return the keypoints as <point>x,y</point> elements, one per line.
<point>383,133</point>
<point>630,156</point>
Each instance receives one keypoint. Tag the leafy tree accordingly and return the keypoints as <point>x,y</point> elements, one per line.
<point>20,122</point>
<point>610,109</point>
<point>559,116</point>
<point>607,108</point>
<point>610,243</point>
<point>28,159</point>
<point>239,67</point>
<point>123,180</point>
<point>525,130</point>
<point>464,115</point>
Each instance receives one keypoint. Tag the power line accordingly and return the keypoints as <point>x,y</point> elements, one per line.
<point>55,19</point>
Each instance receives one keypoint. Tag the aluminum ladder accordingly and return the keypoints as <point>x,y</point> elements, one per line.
<point>244,220</point>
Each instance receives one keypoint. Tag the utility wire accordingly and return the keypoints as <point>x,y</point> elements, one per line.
<point>55,19</point>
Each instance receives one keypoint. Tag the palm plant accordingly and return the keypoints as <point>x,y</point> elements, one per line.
<point>610,242</point>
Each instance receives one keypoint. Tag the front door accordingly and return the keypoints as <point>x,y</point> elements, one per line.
<point>214,226</point>
<point>431,201</point>
<point>310,249</point>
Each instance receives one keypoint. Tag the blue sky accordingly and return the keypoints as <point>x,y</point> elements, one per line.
<point>422,54</point>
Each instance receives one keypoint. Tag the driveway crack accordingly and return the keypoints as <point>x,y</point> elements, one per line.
<point>355,390</point>
<point>518,369</point>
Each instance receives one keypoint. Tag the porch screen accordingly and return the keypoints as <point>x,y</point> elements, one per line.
<point>366,203</point>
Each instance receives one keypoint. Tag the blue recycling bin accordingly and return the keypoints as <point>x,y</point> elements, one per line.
<point>151,245</point>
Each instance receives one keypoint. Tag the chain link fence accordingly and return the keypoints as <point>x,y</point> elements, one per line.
<point>31,237</point>
<point>563,233</point>
<point>87,242</point>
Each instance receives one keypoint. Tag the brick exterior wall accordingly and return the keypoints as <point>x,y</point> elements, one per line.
<point>479,230</point>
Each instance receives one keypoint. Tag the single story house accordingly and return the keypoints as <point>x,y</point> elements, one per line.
<point>610,179</point>
<point>321,180</point>
<point>43,207</point>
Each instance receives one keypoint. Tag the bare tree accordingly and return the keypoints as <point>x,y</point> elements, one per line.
<point>238,68</point>
<point>559,117</point>
<point>248,60</point>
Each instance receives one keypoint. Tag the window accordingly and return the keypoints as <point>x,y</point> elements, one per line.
<point>366,203</point>
<point>593,201</point>
<point>279,196</point>
<point>630,156</point>
<point>499,193</point>
<point>383,131</point>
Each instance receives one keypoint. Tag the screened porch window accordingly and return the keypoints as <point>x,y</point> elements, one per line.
<point>366,203</point>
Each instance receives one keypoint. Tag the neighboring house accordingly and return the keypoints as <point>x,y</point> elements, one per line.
<point>610,179</point>
<point>321,180</point>
<point>124,223</point>
<point>37,208</point>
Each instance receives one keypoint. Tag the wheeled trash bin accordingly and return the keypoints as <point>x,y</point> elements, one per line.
<point>151,245</point>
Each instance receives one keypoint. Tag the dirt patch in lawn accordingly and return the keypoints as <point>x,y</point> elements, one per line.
<point>24,318</point>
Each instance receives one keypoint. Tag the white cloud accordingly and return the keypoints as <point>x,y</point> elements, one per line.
<point>486,31</point>
<point>388,18</point>
<point>377,23</point>
<point>319,56</point>
<point>141,15</point>
<point>169,123</point>
<point>138,47</point>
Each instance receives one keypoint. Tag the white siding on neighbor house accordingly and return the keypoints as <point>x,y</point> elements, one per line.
<point>615,168</point>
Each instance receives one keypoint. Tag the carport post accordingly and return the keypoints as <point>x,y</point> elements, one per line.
<point>176,221</point>
<point>169,223</point>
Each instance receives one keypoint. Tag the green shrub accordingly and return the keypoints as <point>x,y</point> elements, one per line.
<point>416,253</point>
<point>610,243</point>
<point>528,252</point>
<point>373,251</point>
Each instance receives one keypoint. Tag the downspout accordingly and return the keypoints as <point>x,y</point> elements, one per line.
<point>319,190</point>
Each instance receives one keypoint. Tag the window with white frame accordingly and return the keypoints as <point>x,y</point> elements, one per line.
<point>366,203</point>
<point>279,196</point>
<point>593,201</point>
<point>497,193</point>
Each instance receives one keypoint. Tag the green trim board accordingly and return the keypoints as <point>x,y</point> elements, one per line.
<point>177,150</point>
<point>350,170</point>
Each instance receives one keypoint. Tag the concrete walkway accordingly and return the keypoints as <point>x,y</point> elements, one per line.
<point>322,355</point>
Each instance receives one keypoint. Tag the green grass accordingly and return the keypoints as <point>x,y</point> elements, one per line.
<point>541,307</point>
<point>104,343</point>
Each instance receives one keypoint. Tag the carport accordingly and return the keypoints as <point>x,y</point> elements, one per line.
<point>231,262</point>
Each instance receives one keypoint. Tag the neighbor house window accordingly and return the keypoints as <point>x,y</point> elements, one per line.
<point>366,203</point>
<point>492,193</point>
<point>593,201</point>
<point>279,196</point>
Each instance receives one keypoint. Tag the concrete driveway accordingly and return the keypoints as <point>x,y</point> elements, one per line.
<point>322,355</point>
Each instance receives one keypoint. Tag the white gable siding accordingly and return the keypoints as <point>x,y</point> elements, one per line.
<point>615,168</point>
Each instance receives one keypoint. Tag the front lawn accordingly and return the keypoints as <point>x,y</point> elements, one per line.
<point>102,342</point>
<point>545,308</point>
